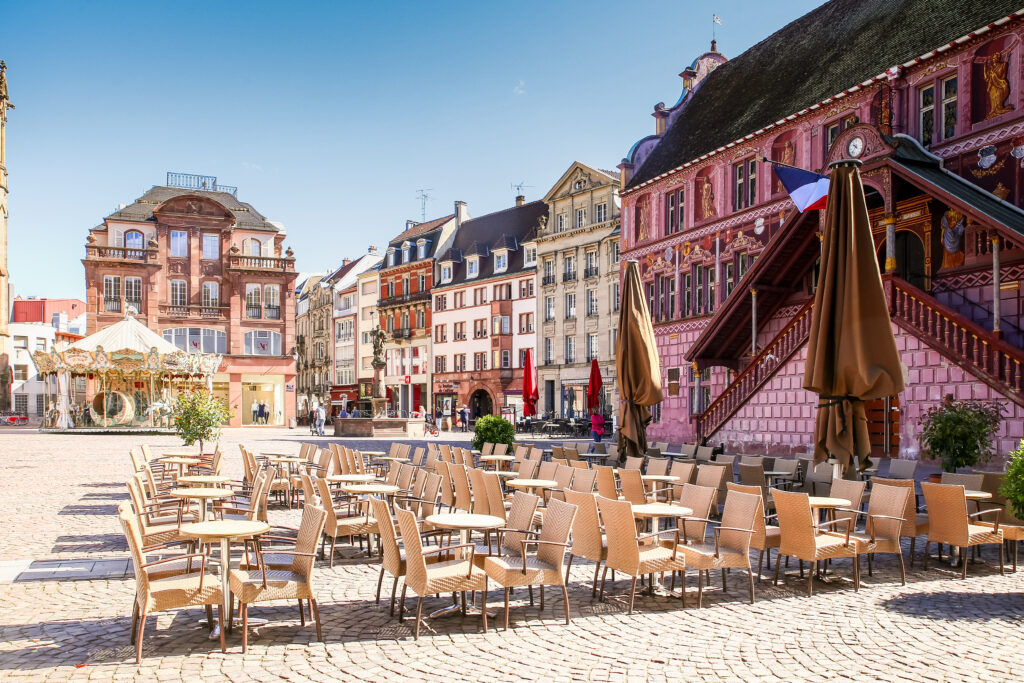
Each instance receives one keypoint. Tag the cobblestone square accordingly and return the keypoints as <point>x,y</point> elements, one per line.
<point>58,624</point>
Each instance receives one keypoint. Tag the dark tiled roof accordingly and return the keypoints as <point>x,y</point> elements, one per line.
<point>499,230</point>
<point>420,229</point>
<point>915,161</point>
<point>142,208</point>
<point>836,46</point>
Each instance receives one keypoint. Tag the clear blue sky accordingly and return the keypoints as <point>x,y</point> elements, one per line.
<point>329,116</point>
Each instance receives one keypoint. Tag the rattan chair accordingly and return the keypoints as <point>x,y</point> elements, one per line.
<point>949,522</point>
<point>544,567</point>
<point>606,485</point>
<point>588,541</point>
<point>884,520</point>
<point>901,469</point>
<point>806,541</point>
<point>392,555</point>
<point>293,582</point>
<point>625,552</point>
<point>347,520</point>
<point>454,575</point>
<point>731,546</point>
<point>460,483</point>
<point>700,499</point>
<point>716,477</point>
<point>914,524</point>
<point>175,585</point>
<point>518,525</point>
<point>584,480</point>
<point>765,536</point>
<point>634,462</point>
<point>633,488</point>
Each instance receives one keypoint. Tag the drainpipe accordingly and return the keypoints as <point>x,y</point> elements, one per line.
<point>753,322</point>
<point>995,286</point>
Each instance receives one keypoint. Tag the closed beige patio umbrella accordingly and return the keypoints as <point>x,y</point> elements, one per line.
<point>636,365</point>
<point>851,352</point>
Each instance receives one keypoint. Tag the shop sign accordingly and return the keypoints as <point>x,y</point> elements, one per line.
<point>407,379</point>
<point>289,387</point>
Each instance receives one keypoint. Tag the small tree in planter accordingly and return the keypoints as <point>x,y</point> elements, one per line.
<point>493,429</point>
<point>1013,485</point>
<point>198,416</point>
<point>960,433</point>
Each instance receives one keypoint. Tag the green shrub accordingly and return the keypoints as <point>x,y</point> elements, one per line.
<point>198,416</point>
<point>493,429</point>
<point>960,433</point>
<point>1013,485</point>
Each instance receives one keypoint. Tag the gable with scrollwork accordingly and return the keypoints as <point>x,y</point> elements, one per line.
<point>190,209</point>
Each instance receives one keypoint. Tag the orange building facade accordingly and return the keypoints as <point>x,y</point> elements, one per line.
<point>210,274</point>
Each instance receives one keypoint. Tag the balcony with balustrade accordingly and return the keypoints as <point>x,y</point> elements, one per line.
<point>96,252</point>
<point>261,264</point>
<point>194,311</point>
<point>399,299</point>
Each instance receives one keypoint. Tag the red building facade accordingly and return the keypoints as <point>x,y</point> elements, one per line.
<point>210,274</point>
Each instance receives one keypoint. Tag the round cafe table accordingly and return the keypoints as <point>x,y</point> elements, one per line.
<point>532,484</point>
<point>659,477</point>
<point>350,478</point>
<point>371,489</point>
<point>182,463</point>
<point>827,502</point>
<point>977,495</point>
<point>497,459</point>
<point>464,523</point>
<point>223,530</point>
<point>283,459</point>
<point>277,454</point>
<point>374,454</point>
<point>202,494</point>
<point>654,512</point>
<point>203,479</point>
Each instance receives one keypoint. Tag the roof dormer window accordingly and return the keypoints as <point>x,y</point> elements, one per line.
<point>472,266</point>
<point>500,261</point>
<point>406,252</point>
<point>421,248</point>
<point>446,272</point>
<point>391,256</point>
<point>530,255</point>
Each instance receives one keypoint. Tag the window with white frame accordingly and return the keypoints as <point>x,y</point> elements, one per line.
<point>549,308</point>
<point>272,301</point>
<point>262,343</point>
<point>133,292</point>
<point>600,213</point>
<point>548,351</point>
<point>615,251</point>
<point>197,339</point>
<point>211,295</point>
<point>421,319</point>
<point>560,222</point>
<point>472,267</point>
<point>581,217</point>
<point>179,244</point>
<point>592,302</point>
<point>570,305</point>
<point>421,249</point>
<point>591,346</point>
<point>179,293</point>
<point>391,257</point>
<point>500,261</point>
<point>530,255</point>
<point>406,252</point>
<point>570,349</point>
<point>446,272</point>
<point>211,246</point>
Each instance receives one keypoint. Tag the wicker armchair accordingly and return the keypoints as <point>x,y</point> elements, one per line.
<point>544,567</point>
<point>884,520</point>
<point>731,547</point>
<point>293,582</point>
<point>447,576</point>
<point>949,522</point>
<point>174,585</point>
<point>914,524</point>
<point>347,520</point>
<point>765,536</point>
<point>625,552</point>
<point>588,541</point>
<point>806,541</point>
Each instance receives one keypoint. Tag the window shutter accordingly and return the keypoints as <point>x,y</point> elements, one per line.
<point>119,238</point>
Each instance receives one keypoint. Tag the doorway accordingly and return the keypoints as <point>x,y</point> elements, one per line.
<point>909,259</point>
<point>480,404</point>
<point>883,416</point>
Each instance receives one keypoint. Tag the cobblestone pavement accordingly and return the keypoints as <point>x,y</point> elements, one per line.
<point>61,493</point>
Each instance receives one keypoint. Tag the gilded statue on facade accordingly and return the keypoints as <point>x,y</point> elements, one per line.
<point>644,229</point>
<point>707,198</point>
<point>788,155</point>
<point>997,87</point>
<point>954,224</point>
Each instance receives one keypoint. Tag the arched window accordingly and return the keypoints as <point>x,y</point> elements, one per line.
<point>133,239</point>
<point>253,247</point>
<point>197,339</point>
<point>262,343</point>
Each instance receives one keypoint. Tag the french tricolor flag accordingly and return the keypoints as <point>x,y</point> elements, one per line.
<point>808,190</point>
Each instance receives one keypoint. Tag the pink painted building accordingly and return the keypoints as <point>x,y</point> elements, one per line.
<point>929,95</point>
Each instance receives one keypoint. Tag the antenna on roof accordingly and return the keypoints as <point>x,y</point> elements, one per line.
<point>518,187</point>
<point>422,195</point>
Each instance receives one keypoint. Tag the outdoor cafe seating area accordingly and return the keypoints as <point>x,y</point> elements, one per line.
<point>480,529</point>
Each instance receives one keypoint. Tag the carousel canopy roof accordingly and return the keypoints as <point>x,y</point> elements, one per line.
<point>127,334</point>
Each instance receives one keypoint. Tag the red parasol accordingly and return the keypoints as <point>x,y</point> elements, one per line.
<point>594,387</point>
<point>529,385</point>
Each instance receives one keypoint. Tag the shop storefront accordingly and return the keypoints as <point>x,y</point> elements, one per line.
<point>263,400</point>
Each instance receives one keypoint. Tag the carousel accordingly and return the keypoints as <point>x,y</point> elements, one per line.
<point>124,377</point>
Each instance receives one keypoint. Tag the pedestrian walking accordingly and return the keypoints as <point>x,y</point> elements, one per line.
<point>597,426</point>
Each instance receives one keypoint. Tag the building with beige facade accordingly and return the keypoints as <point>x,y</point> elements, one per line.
<point>578,290</point>
<point>367,288</point>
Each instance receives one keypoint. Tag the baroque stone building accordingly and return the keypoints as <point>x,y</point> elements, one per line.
<point>927,94</point>
<point>578,289</point>
<point>484,311</point>
<point>209,273</point>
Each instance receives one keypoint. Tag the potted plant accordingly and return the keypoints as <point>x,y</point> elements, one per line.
<point>1013,484</point>
<point>199,416</point>
<point>493,429</point>
<point>960,433</point>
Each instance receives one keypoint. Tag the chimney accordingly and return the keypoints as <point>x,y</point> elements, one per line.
<point>714,45</point>
<point>372,250</point>
<point>345,262</point>
<point>409,224</point>
<point>520,200</point>
<point>461,213</point>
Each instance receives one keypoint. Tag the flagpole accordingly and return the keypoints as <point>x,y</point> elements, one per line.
<point>779,163</point>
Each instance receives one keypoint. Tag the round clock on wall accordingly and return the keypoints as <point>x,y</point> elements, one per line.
<point>855,147</point>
